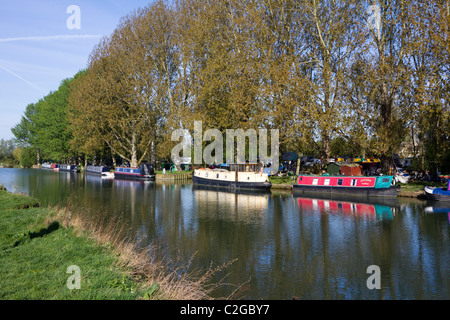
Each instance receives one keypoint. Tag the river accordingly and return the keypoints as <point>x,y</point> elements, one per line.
<point>282,246</point>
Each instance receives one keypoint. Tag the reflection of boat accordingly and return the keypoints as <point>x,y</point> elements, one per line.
<point>379,186</point>
<point>438,194</point>
<point>69,168</point>
<point>100,170</point>
<point>96,179</point>
<point>368,210</point>
<point>131,183</point>
<point>242,205</point>
<point>144,172</point>
<point>391,202</point>
<point>435,208</point>
<point>240,176</point>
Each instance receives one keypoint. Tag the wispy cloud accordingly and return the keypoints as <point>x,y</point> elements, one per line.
<point>49,38</point>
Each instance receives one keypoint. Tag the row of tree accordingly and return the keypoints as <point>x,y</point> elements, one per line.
<point>7,155</point>
<point>373,73</point>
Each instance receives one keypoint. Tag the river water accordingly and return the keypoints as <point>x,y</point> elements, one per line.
<point>282,246</point>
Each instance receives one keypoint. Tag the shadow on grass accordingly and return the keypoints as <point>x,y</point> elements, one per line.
<point>41,233</point>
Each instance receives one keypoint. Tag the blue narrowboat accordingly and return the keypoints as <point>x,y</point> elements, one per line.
<point>144,172</point>
<point>103,171</point>
<point>69,168</point>
<point>438,194</point>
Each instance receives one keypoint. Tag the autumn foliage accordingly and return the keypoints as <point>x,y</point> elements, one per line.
<point>374,73</point>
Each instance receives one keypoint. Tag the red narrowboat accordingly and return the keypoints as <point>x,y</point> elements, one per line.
<point>379,186</point>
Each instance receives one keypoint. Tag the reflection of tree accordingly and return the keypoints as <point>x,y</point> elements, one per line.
<point>283,249</point>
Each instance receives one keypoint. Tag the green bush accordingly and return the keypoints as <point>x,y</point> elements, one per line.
<point>28,157</point>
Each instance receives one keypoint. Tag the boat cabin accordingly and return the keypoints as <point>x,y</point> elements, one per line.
<point>246,167</point>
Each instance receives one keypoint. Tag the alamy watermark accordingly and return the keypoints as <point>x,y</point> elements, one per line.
<point>374,20</point>
<point>374,281</point>
<point>74,281</point>
<point>214,153</point>
<point>73,22</point>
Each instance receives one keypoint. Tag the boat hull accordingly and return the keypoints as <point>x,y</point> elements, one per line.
<point>124,176</point>
<point>262,186</point>
<point>437,194</point>
<point>391,192</point>
<point>372,186</point>
<point>144,173</point>
<point>99,171</point>
<point>68,168</point>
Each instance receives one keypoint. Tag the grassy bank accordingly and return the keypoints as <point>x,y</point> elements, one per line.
<point>419,186</point>
<point>168,172</point>
<point>38,245</point>
<point>282,180</point>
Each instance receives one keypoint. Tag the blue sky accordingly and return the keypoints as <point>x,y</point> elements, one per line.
<point>38,50</point>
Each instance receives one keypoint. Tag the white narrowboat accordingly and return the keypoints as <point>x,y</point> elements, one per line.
<point>239,176</point>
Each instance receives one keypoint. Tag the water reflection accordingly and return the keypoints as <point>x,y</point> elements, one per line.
<point>368,211</point>
<point>438,208</point>
<point>285,246</point>
<point>242,206</point>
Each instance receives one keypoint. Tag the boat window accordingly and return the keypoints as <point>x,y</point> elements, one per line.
<point>315,182</point>
<point>327,182</point>
<point>385,179</point>
<point>340,182</point>
<point>354,181</point>
<point>217,176</point>
<point>206,174</point>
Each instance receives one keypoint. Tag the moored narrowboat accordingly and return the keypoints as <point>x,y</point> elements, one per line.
<point>69,168</point>
<point>239,176</point>
<point>379,186</point>
<point>144,172</point>
<point>47,166</point>
<point>103,171</point>
<point>438,194</point>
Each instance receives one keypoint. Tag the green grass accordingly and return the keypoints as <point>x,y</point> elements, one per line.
<point>282,180</point>
<point>35,252</point>
<point>38,245</point>
<point>175,172</point>
<point>16,201</point>
<point>420,185</point>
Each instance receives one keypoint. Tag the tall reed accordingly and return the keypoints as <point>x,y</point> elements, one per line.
<point>153,273</point>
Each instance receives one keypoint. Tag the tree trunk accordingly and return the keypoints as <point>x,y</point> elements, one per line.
<point>153,153</point>
<point>386,162</point>
<point>113,159</point>
<point>134,161</point>
<point>325,150</point>
<point>38,156</point>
